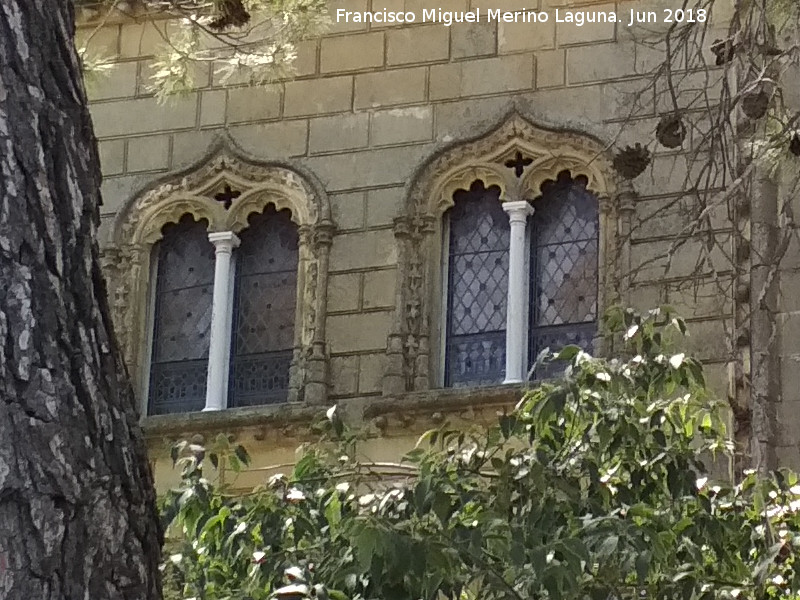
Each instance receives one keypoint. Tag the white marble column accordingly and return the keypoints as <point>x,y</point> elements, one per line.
<point>517,307</point>
<point>219,347</point>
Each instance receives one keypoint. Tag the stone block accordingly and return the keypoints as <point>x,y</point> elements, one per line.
<point>212,107</point>
<point>272,140</point>
<point>257,103</point>
<point>522,37</point>
<point>340,132</point>
<point>376,168</point>
<point>129,117</point>
<point>379,288</point>
<point>550,68</point>
<point>707,339</point>
<point>370,372</point>
<point>348,210</point>
<point>344,375</point>
<point>188,147</point>
<point>365,250</point>
<point>117,191</point>
<point>344,292</point>
<point>318,96</point>
<point>400,86</point>
<point>402,125</point>
<point>356,333</point>
<point>417,44</point>
<point>701,298</point>
<point>307,58</point>
<point>598,62</point>
<point>646,297</point>
<point>118,82</point>
<point>148,153</point>
<point>461,119</point>
<point>486,76</point>
<point>669,258</point>
<point>473,39</point>
<point>352,52</point>
<point>112,157</point>
<point>383,205</point>
<point>588,33</point>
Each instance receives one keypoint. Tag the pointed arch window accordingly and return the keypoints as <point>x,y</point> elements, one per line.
<point>477,280</point>
<point>564,267</point>
<point>182,318</point>
<point>265,306</point>
<point>557,276</point>
<point>255,314</point>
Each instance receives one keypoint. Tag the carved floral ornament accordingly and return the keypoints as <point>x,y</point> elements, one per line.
<point>518,157</point>
<point>224,190</point>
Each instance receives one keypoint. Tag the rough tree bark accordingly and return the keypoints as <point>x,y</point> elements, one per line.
<point>77,511</point>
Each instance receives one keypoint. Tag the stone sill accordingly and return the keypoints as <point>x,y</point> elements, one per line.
<point>446,400</point>
<point>231,419</point>
<point>391,415</point>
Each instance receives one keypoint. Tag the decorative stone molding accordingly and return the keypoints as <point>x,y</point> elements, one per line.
<point>516,156</point>
<point>224,189</point>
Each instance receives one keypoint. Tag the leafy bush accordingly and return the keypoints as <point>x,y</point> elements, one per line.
<point>596,486</point>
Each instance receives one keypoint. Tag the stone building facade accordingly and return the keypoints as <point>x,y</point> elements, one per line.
<point>366,150</point>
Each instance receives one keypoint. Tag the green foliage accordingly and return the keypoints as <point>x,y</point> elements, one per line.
<point>252,41</point>
<point>596,486</point>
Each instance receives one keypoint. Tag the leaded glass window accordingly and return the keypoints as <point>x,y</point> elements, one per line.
<point>563,278</point>
<point>266,293</point>
<point>182,318</point>
<point>477,288</point>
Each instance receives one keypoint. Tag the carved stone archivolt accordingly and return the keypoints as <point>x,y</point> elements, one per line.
<point>224,189</point>
<point>516,156</point>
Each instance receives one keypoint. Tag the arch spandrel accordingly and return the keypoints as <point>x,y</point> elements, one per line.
<point>490,154</point>
<point>223,189</point>
<point>516,155</point>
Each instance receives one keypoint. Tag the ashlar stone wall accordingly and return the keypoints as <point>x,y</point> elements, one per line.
<point>369,107</point>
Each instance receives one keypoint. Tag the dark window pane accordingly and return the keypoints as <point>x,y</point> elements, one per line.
<point>477,288</point>
<point>564,253</point>
<point>184,290</point>
<point>266,281</point>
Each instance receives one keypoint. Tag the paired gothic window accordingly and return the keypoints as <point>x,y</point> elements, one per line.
<point>260,331</point>
<point>561,292</point>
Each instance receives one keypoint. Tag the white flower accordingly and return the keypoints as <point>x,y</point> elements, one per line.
<point>295,495</point>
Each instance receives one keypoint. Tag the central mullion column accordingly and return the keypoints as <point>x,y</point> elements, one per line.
<point>516,308</point>
<point>219,346</point>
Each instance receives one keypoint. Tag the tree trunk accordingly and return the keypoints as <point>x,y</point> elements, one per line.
<point>77,511</point>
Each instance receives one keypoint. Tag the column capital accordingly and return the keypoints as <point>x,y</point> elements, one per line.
<point>518,210</point>
<point>224,241</point>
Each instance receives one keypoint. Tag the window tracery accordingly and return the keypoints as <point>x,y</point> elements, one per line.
<point>517,158</point>
<point>225,191</point>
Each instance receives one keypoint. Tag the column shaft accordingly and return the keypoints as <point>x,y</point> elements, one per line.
<point>219,349</point>
<point>517,307</point>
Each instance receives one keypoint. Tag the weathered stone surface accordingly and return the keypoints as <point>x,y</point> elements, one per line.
<point>351,53</point>
<point>485,76</point>
<point>473,39</point>
<point>340,132</point>
<point>148,153</point>
<point>379,288</point>
<point>402,125</point>
<point>420,44</point>
<point>400,86</point>
<point>344,292</point>
<point>354,333</point>
<point>318,96</point>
